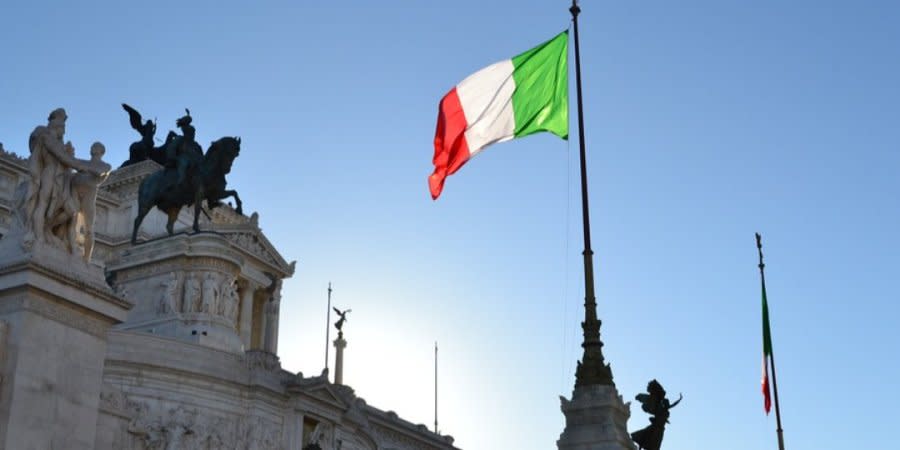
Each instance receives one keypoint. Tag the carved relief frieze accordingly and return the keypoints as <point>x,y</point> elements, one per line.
<point>158,426</point>
<point>169,295</point>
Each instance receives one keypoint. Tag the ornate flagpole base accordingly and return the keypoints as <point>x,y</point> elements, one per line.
<point>596,419</point>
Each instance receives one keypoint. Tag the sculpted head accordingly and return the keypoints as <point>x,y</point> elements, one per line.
<point>97,150</point>
<point>57,114</point>
<point>57,122</point>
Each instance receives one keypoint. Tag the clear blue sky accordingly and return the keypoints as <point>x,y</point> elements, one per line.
<point>706,121</point>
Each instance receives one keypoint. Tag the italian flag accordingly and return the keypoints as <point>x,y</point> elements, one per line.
<point>767,352</point>
<point>509,99</point>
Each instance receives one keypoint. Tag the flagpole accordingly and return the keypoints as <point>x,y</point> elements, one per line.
<point>762,275</point>
<point>591,370</point>
<point>327,326</point>
<point>435,388</point>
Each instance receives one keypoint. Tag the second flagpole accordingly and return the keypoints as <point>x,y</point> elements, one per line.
<point>762,276</point>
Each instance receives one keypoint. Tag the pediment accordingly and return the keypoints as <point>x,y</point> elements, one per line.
<point>322,391</point>
<point>325,393</point>
<point>254,243</point>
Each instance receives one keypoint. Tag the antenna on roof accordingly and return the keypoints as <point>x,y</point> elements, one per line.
<point>327,326</point>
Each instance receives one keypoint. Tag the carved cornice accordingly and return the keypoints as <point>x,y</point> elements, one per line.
<point>254,243</point>
<point>262,360</point>
<point>132,174</point>
<point>13,158</point>
<point>65,271</point>
<point>202,251</point>
<point>56,312</point>
<point>390,428</point>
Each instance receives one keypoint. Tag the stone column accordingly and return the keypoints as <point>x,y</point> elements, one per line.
<point>248,290</point>
<point>276,299</point>
<point>339,345</point>
<point>271,312</point>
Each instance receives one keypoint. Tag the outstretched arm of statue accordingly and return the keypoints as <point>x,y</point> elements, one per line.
<point>58,149</point>
<point>680,397</point>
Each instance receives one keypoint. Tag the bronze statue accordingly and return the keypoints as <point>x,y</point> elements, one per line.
<point>340,323</point>
<point>140,150</point>
<point>655,403</point>
<point>200,177</point>
<point>183,152</point>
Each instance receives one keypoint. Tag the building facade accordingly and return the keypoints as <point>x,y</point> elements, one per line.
<point>171,343</point>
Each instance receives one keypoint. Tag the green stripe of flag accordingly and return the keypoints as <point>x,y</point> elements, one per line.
<point>541,99</point>
<point>767,335</point>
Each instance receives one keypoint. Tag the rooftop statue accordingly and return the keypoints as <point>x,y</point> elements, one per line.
<point>340,323</point>
<point>61,188</point>
<point>188,178</point>
<point>143,150</point>
<point>140,150</point>
<point>655,403</point>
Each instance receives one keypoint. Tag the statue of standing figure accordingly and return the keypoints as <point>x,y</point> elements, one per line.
<point>80,204</point>
<point>55,194</point>
<point>209,292</point>
<point>169,295</point>
<point>192,297</point>
<point>655,403</point>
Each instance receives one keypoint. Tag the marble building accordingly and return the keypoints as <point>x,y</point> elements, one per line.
<point>168,344</point>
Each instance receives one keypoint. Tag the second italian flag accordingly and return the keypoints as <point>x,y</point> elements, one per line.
<point>512,98</point>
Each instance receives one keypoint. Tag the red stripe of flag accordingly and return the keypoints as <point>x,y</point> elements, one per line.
<point>767,401</point>
<point>451,151</point>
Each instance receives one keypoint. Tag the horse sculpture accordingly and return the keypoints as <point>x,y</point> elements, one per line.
<point>205,181</point>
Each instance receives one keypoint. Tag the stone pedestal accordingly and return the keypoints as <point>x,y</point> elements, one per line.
<point>339,345</point>
<point>55,310</point>
<point>186,287</point>
<point>596,419</point>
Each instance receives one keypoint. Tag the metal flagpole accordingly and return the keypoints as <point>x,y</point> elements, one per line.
<point>327,326</point>
<point>435,388</point>
<point>762,276</point>
<point>591,370</point>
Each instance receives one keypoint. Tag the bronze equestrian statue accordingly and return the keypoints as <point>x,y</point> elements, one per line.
<point>188,180</point>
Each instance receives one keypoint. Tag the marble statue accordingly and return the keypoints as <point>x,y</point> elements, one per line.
<point>49,203</point>
<point>209,294</point>
<point>80,205</point>
<point>229,301</point>
<point>192,296</point>
<point>168,296</point>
